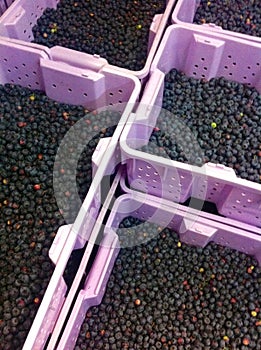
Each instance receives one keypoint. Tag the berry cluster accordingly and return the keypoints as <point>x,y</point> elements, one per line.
<point>115,30</point>
<point>31,127</point>
<point>164,294</point>
<point>242,16</point>
<point>216,121</point>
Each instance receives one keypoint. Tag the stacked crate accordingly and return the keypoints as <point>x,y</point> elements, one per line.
<point>159,186</point>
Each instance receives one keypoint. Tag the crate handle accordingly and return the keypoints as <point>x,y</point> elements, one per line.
<point>77,59</point>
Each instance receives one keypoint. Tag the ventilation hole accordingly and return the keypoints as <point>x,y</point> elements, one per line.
<point>154,180</point>
<point>230,73</point>
<point>226,67</point>
<point>34,72</point>
<point>234,63</point>
<point>110,104</point>
<point>229,56</point>
<point>19,78</point>
<point>27,76</point>
<point>147,181</point>
<point>248,67</point>
<point>201,191</point>
<point>5,59</point>
<point>243,194</point>
<point>156,173</point>
<point>238,200</point>
<point>9,70</point>
<point>182,176</point>
<point>54,86</point>
<point>211,193</point>
<point>36,83</point>
<point>244,78</point>
<point>148,167</point>
<point>16,67</point>
<point>249,200</point>
<point>233,206</point>
<point>70,90</point>
<point>29,36</point>
<point>32,14</point>
<point>12,81</point>
<point>25,31</point>
<point>257,217</point>
<point>111,94</point>
<point>31,23</point>
<point>217,184</point>
<point>214,189</point>
<point>170,191</point>
<point>202,59</point>
<point>194,73</point>
<point>85,94</point>
<point>154,187</point>
<point>239,212</point>
<point>120,91</point>
<point>120,101</point>
<point>173,178</point>
<point>205,68</point>
<point>203,75</point>
<point>29,85</point>
<point>244,206</point>
<point>139,176</point>
<point>253,74</point>
<point>140,168</point>
<point>258,64</point>
<point>195,65</point>
<point>171,186</point>
<point>148,175</point>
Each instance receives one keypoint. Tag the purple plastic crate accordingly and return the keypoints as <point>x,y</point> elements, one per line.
<point>2,7</point>
<point>198,54</point>
<point>18,21</point>
<point>192,228</point>
<point>68,81</point>
<point>185,11</point>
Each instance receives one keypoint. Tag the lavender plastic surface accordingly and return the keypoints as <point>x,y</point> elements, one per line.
<point>94,293</point>
<point>185,11</point>
<point>68,82</point>
<point>18,21</point>
<point>2,7</point>
<point>93,290</point>
<point>201,55</point>
<point>191,226</point>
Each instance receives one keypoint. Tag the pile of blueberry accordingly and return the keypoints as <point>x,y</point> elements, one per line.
<point>32,127</point>
<point>243,16</point>
<point>115,30</point>
<point>216,121</point>
<point>164,294</point>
